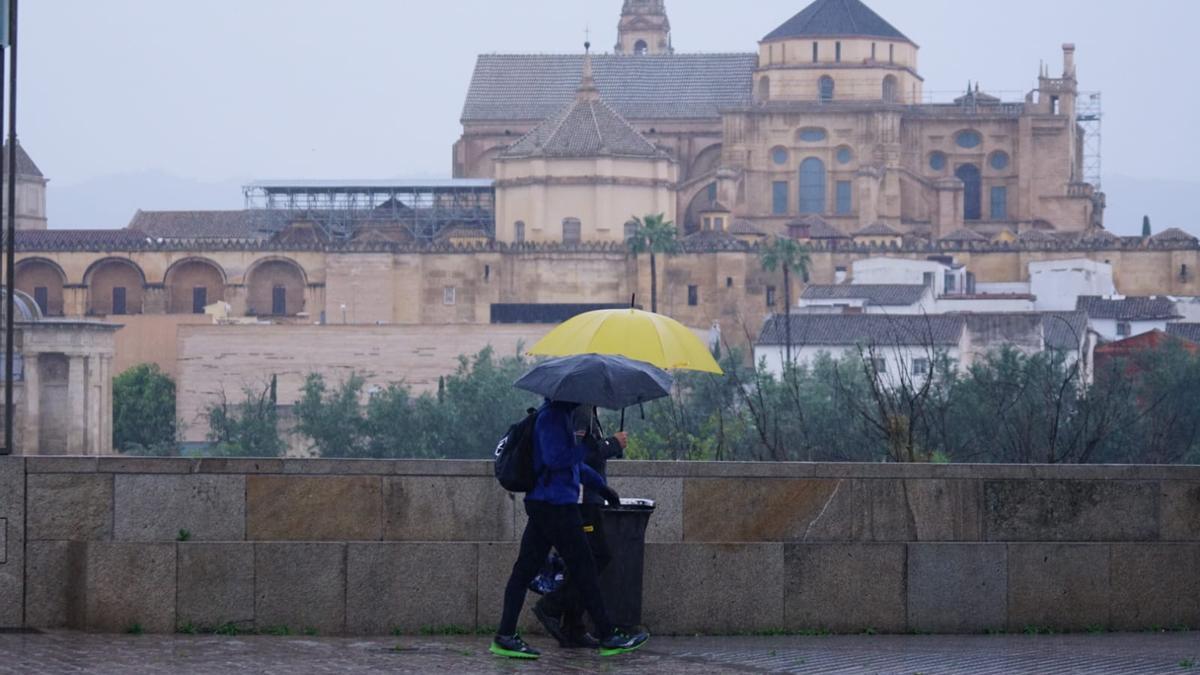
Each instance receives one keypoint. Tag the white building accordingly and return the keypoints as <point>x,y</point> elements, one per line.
<point>1057,285</point>
<point>1117,318</point>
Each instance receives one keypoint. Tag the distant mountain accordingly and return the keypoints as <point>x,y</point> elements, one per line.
<point>110,201</point>
<point>1168,203</point>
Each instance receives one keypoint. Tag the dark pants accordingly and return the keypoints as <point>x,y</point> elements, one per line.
<point>561,528</point>
<point>567,601</point>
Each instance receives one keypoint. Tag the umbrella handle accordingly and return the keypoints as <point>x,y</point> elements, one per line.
<point>622,419</point>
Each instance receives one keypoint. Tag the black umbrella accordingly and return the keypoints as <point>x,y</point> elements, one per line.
<point>612,382</point>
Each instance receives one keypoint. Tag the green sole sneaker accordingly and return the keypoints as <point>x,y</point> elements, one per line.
<point>624,650</point>
<point>510,654</point>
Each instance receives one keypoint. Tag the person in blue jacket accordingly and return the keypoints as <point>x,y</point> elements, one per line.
<point>555,522</point>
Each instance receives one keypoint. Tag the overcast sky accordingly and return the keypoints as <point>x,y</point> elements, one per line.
<point>236,89</point>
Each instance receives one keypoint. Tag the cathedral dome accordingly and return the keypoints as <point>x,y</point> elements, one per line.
<point>836,18</point>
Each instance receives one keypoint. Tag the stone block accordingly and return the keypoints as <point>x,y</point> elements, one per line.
<point>130,584</point>
<point>495,564</point>
<point>957,588</point>
<point>156,507</point>
<point>55,577</point>
<point>411,587</point>
<point>713,588</point>
<point>239,465</point>
<point>1179,506</point>
<point>762,510</point>
<point>666,523</point>
<point>1071,510</point>
<point>845,588</point>
<point>1155,585</point>
<point>339,467</point>
<point>143,465</point>
<point>917,509</point>
<point>75,506</point>
<point>52,464</point>
<point>300,586</point>
<point>1058,586</point>
<point>12,541</point>
<point>313,508</point>
<point>216,585</point>
<point>446,508</point>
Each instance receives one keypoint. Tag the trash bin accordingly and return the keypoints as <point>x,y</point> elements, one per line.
<point>625,531</point>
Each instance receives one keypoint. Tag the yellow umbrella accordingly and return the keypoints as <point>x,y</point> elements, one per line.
<point>643,336</point>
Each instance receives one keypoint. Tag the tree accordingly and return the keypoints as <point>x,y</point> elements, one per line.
<point>654,235</point>
<point>334,423</point>
<point>790,255</point>
<point>1146,226</point>
<point>144,411</point>
<point>245,429</point>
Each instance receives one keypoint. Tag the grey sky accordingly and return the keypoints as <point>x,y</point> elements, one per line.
<point>236,89</point>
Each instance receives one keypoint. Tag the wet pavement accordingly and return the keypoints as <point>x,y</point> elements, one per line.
<point>1126,654</point>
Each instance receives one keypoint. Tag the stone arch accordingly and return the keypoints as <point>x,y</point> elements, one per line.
<point>115,286</point>
<point>825,88</point>
<point>192,283</point>
<point>707,161</point>
<point>43,280</point>
<point>700,200</point>
<point>275,287</point>
<point>640,47</point>
<point>971,177</point>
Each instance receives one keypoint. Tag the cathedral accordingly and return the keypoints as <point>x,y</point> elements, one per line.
<point>824,130</point>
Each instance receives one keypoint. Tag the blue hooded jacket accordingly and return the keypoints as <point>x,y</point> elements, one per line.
<point>558,457</point>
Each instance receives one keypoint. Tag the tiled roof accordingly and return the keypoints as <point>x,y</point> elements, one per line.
<point>57,240</point>
<point>877,230</point>
<point>883,295</point>
<point>836,18</point>
<point>1064,330</point>
<point>25,165</point>
<point>1187,331</point>
<point>880,330</point>
<point>668,86</point>
<point>1036,236</point>
<point>710,235</point>
<point>1128,309</point>
<point>745,228</point>
<point>964,234</point>
<point>587,127</point>
<point>814,227</point>
<point>197,224</point>
<point>1173,234</point>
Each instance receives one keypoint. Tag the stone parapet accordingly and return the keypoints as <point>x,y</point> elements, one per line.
<point>368,546</point>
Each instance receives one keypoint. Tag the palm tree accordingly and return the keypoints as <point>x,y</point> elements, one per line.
<point>654,234</point>
<point>792,257</point>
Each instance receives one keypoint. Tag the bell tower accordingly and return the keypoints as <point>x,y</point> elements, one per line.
<point>644,28</point>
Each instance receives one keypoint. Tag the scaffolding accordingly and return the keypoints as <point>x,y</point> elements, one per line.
<point>1089,115</point>
<point>421,209</point>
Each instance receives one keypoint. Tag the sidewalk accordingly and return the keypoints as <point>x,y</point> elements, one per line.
<point>1126,654</point>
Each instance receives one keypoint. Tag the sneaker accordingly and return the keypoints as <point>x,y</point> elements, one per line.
<point>513,647</point>
<point>553,625</point>
<point>620,642</point>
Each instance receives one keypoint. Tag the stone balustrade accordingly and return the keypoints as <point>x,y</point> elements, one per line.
<point>367,547</point>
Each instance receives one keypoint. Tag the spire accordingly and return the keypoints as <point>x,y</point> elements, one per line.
<point>587,84</point>
<point>644,28</point>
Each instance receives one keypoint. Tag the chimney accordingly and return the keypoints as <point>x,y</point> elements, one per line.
<point>1069,61</point>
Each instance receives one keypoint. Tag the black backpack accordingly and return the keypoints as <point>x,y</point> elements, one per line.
<point>514,456</point>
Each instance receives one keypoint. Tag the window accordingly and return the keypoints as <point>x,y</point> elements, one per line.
<point>1054,107</point>
<point>572,231</point>
<point>279,301</point>
<point>199,299</point>
<point>770,296</point>
<point>779,198</point>
<point>519,232</point>
<point>927,279</point>
<point>728,282</point>
<point>891,53</point>
<point>719,224</point>
<point>1183,272</point>
<point>693,296</point>
<point>889,89</point>
<point>816,53</point>
<point>487,272</point>
<point>843,197</point>
<point>712,192</point>
<point>872,51</point>
<point>845,156</point>
<point>972,191</point>
<point>998,160</point>
<point>999,204</point>
<point>118,300</point>
<point>1124,329</point>
<point>707,223</point>
<point>920,366</point>
<point>812,186</point>
<point>41,295</point>
<point>640,47</point>
<point>826,86</point>
<point>449,295</point>
<point>779,155</point>
<point>837,52</point>
<point>968,139</point>
<point>937,161</point>
<point>812,134</point>
<point>879,365</point>
<point>951,284</point>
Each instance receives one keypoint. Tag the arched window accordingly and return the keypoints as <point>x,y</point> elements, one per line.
<point>764,89</point>
<point>812,186</point>
<point>640,47</point>
<point>972,191</point>
<point>826,86</point>
<point>889,89</point>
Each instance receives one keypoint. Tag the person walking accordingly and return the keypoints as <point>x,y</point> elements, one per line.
<point>555,521</point>
<point>561,611</point>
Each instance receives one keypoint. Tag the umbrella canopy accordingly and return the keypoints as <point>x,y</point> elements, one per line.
<point>613,382</point>
<point>632,333</point>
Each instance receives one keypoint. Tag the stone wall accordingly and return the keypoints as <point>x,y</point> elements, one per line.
<point>365,547</point>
